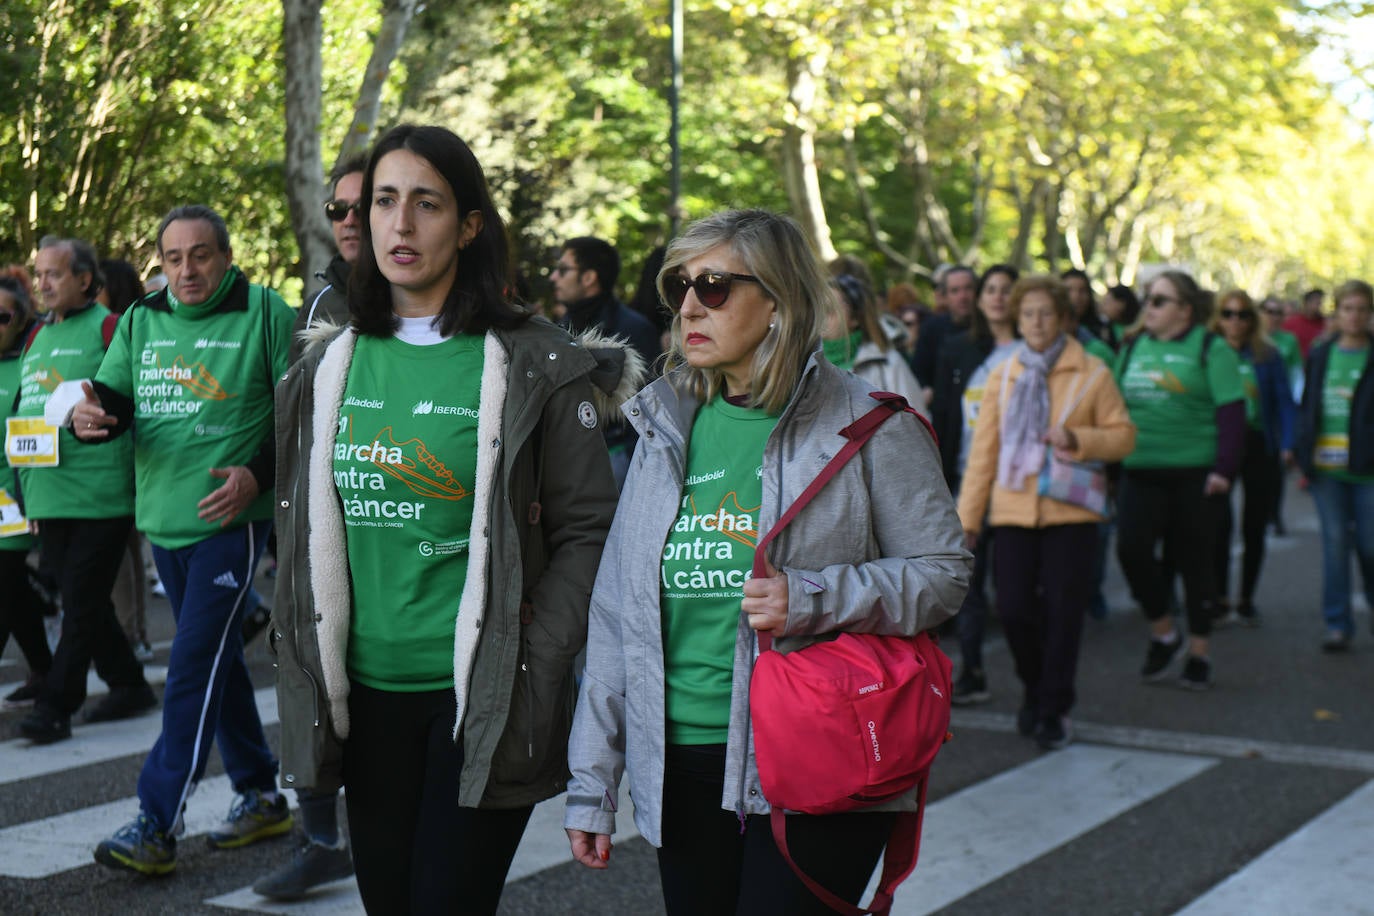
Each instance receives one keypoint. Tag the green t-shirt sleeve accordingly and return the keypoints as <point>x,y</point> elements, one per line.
<point>1223,374</point>
<point>116,369</point>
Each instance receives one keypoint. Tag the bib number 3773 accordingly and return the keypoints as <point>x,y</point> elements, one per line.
<point>30,443</point>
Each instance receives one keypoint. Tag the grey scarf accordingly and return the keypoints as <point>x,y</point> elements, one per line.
<point>1026,417</point>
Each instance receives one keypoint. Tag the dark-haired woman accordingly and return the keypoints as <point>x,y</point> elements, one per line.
<point>1183,389</point>
<point>740,424</point>
<point>965,363</point>
<point>1268,439</point>
<point>451,497</point>
<point>1334,447</point>
<point>21,612</point>
<point>1120,308</point>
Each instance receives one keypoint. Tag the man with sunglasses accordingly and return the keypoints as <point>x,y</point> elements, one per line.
<point>584,283</point>
<point>344,210</point>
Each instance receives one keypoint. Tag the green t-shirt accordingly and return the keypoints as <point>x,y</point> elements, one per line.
<point>9,509</point>
<point>1332,454</point>
<point>405,464</point>
<point>94,480</point>
<point>706,560</point>
<point>201,381</point>
<point>1288,348</point>
<point>1172,398</point>
<point>1095,346</point>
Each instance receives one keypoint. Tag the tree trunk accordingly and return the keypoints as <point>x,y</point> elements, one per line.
<point>302,35</point>
<point>396,16</point>
<point>799,155</point>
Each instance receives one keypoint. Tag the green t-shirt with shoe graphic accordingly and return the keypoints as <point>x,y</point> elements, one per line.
<point>201,378</point>
<point>707,558</point>
<point>90,480</point>
<point>1172,390</point>
<point>405,464</point>
<point>1343,372</point>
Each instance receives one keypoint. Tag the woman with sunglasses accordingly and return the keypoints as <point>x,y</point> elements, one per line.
<point>21,612</point>
<point>966,361</point>
<point>1334,447</point>
<point>744,418</point>
<point>1186,397</point>
<point>1268,444</point>
<point>853,338</point>
<point>445,497</point>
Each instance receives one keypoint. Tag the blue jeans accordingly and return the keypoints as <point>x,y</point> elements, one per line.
<point>1346,511</point>
<point>208,695</point>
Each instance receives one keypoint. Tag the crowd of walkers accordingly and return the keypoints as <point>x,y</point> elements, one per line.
<point>466,495</point>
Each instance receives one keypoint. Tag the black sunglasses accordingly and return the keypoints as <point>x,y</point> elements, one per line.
<point>1159,301</point>
<point>1237,313</point>
<point>712,286</point>
<point>337,210</point>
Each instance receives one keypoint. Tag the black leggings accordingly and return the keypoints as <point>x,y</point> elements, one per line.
<point>1168,505</point>
<point>415,850</point>
<point>1260,475</point>
<point>21,613</point>
<point>709,865</point>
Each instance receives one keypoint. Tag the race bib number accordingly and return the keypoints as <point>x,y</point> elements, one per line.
<point>1333,452</point>
<point>30,443</point>
<point>973,403</point>
<point>12,521</point>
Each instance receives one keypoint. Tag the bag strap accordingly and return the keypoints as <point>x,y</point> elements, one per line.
<point>1079,392</point>
<point>858,433</point>
<point>904,842</point>
<point>899,859</point>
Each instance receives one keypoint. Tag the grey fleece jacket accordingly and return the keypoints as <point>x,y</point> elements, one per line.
<point>879,550</point>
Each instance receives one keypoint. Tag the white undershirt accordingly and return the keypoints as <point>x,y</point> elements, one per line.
<point>422,331</point>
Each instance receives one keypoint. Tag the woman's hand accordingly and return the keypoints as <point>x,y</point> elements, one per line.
<point>970,539</point>
<point>591,849</point>
<point>1063,441</point>
<point>1216,484</point>
<point>765,601</point>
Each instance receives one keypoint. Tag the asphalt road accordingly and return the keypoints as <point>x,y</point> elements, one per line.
<point>1167,800</point>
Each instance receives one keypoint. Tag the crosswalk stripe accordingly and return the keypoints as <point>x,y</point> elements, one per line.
<point>52,845</point>
<point>98,743</point>
<point>1321,868</point>
<point>544,845</point>
<point>994,827</point>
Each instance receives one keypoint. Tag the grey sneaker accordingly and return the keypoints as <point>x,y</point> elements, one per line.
<point>252,818</point>
<point>139,846</point>
<point>313,864</point>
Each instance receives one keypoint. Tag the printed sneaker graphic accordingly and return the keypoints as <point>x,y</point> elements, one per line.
<point>1170,382</point>
<point>737,525</point>
<point>227,580</point>
<point>48,379</point>
<point>196,379</point>
<point>418,468</point>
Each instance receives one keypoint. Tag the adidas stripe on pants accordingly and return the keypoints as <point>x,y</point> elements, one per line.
<point>208,695</point>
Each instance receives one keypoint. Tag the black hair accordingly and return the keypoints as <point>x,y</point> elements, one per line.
<point>347,166</point>
<point>480,296</point>
<point>23,303</point>
<point>598,255</point>
<point>943,284</point>
<point>196,211</point>
<point>646,301</point>
<point>122,285</point>
<point>1130,304</point>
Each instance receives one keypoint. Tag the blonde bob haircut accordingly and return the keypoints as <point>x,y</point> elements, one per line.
<point>774,249</point>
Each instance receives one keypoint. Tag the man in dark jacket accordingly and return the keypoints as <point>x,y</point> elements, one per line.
<point>584,283</point>
<point>343,208</point>
<point>956,285</point>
